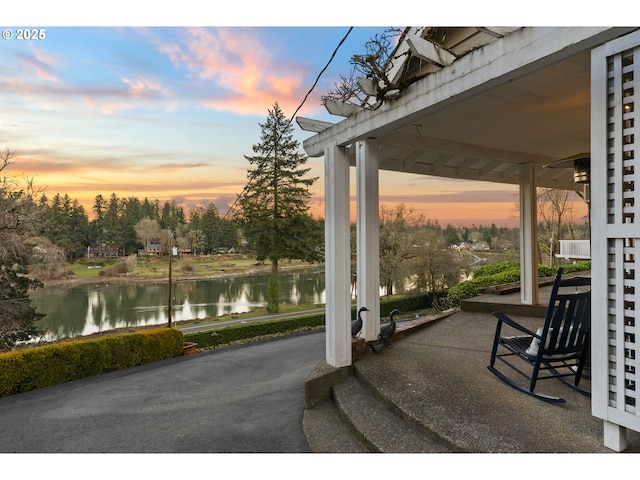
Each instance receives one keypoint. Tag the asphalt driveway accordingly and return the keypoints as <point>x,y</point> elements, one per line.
<point>248,398</point>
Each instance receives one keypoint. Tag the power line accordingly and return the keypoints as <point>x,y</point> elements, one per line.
<point>315,83</point>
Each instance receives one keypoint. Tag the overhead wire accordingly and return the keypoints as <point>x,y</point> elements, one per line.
<point>315,83</point>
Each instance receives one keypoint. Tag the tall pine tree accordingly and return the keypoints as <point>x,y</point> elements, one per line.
<point>274,205</point>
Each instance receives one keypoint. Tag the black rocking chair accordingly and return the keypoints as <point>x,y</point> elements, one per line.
<point>559,349</point>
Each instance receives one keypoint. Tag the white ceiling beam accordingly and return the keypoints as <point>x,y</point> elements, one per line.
<point>488,168</point>
<point>466,165</point>
<point>311,125</point>
<point>401,55</point>
<point>342,109</point>
<point>430,52</point>
<point>368,86</point>
<point>440,162</point>
<point>510,171</point>
<point>412,158</point>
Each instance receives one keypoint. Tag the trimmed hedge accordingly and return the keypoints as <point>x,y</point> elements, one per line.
<point>409,303</point>
<point>256,330</point>
<point>251,331</point>
<point>39,367</point>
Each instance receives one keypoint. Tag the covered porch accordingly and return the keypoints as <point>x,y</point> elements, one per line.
<point>436,379</point>
<point>499,105</point>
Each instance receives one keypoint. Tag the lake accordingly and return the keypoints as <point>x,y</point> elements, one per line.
<point>91,308</point>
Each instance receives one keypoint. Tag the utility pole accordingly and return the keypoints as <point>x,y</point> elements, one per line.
<point>170,292</point>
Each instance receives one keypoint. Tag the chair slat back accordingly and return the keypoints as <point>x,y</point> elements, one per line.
<point>569,321</point>
<point>568,318</point>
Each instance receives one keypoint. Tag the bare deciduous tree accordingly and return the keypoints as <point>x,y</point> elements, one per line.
<point>395,245</point>
<point>20,218</point>
<point>554,210</point>
<point>435,265</point>
<point>147,231</point>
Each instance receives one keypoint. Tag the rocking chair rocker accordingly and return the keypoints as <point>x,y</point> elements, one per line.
<point>558,349</point>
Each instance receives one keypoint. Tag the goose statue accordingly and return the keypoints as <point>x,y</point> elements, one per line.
<point>386,332</point>
<point>356,325</point>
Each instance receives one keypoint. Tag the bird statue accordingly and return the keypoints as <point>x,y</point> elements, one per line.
<point>386,332</point>
<point>356,325</point>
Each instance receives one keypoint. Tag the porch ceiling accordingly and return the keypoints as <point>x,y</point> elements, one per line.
<point>537,112</point>
<point>540,118</point>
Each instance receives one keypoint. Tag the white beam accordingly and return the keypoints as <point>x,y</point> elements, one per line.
<point>337,258</point>
<point>311,125</point>
<point>368,235</point>
<point>368,86</point>
<point>430,52</point>
<point>342,109</point>
<point>529,294</point>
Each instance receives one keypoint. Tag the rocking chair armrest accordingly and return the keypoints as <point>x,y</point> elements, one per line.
<point>502,318</point>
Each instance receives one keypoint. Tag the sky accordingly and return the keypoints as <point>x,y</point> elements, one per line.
<point>160,108</point>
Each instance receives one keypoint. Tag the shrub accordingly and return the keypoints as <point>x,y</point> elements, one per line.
<point>251,331</point>
<point>119,269</point>
<point>500,274</point>
<point>38,367</point>
<point>187,267</point>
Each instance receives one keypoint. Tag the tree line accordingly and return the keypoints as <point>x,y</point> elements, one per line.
<point>130,224</point>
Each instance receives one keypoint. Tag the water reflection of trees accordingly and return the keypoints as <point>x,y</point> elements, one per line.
<point>83,310</point>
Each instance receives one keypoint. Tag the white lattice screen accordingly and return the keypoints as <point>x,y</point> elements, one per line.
<point>616,236</point>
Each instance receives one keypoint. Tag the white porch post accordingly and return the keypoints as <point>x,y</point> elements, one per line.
<point>368,236</point>
<point>337,258</point>
<point>528,236</point>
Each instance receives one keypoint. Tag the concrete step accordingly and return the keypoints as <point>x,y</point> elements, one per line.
<point>376,425</point>
<point>326,432</point>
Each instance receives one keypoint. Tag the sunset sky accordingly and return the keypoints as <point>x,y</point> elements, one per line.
<point>169,112</point>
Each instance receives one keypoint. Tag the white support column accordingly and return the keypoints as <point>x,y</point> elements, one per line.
<point>529,294</point>
<point>337,258</point>
<point>368,236</point>
<point>615,436</point>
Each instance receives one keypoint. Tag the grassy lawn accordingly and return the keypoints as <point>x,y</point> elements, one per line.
<point>152,267</point>
<point>157,267</point>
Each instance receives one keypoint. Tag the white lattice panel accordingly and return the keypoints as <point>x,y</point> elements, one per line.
<point>616,231</point>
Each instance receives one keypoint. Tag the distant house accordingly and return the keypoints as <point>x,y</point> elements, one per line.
<point>154,249</point>
<point>480,246</point>
<point>104,250</point>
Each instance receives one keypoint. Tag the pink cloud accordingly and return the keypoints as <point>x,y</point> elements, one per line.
<point>40,64</point>
<point>144,86</point>
<point>241,66</point>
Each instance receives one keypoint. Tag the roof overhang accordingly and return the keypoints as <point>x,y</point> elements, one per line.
<point>520,98</point>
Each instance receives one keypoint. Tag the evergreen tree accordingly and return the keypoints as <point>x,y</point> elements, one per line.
<point>66,225</point>
<point>451,235</point>
<point>131,215</point>
<point>275,200</point>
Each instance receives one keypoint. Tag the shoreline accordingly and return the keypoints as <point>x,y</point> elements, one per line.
<point>132,278</point>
